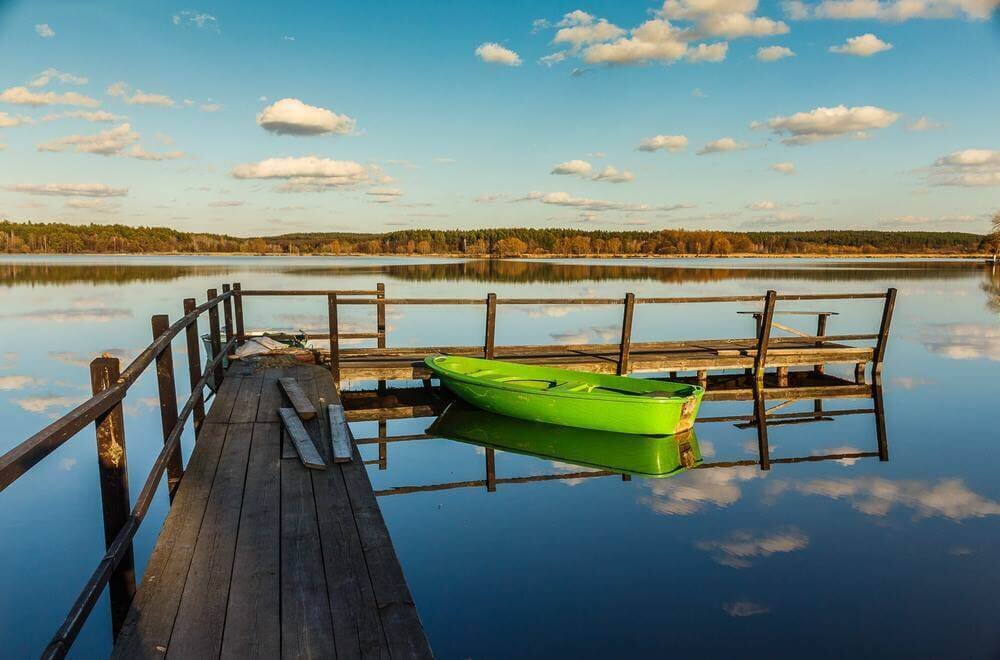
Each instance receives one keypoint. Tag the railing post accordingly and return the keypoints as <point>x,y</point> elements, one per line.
<point>380,329</point>
<point>491,326</point>
<point>168,402</point>
<point>227,310</point>
<point>883,331</point>
<point>241,335</point>
<point>764,335</point>
<point>879,407</point>
<point>331,301</point>
<point>383,454</point>
<point>491,470</point>
<point>194,364</point>
<point>626,343</point>
<point>820,332</point>
<point>113,471</point>
<point>760,418</point>
<point>213,330</point>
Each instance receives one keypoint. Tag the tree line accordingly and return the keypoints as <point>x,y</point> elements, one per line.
<point>60,238</point>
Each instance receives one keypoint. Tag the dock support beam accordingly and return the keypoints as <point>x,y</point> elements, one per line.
<point>764,335</point>
<point>194,363</point>
<point>113,470</point>
<point>227,312</point>
<point>331,303</point>
<point>820,332</point>
<point>760,418</point>
<point>626,343</point>
<point>883,331</point>
<point>491,470</point>
<point>380,326</point>
<point>241,335</point>
<point>491,326</point>
<point>167,391</point>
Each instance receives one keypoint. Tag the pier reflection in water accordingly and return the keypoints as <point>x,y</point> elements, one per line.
<point>603,454</point>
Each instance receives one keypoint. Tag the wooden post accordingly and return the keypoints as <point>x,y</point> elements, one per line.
<point>168,402</point>
<point>782,376</point>
<point>383,458</point>
<point>820,332</point>
<point>879,406</point>
<point>625,346</point>
<point>491,326</point>
<point>194,363</point>
<point>331,303</point>
<point>883,331</point>
<point>241,335</point>
<point>859,373</point>
<point>760,418</point>
<point>764,335</point>
<point>380,329</point>
<point>113,471</point>
<point>227,311</point>
<point>703,377</point>
<point>491,470</point>
<point>213,333</point>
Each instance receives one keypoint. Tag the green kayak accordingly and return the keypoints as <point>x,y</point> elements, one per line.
<point>570,398</point>
<point>641,455</point>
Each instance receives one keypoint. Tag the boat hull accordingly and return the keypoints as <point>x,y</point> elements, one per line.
<point>514,390</point>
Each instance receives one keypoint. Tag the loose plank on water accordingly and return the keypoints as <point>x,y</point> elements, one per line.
<point>300,439</point>
<point>303,406</point>
<point>339,434</point>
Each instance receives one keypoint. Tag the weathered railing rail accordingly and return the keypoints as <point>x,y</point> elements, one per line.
<point>105,409</point>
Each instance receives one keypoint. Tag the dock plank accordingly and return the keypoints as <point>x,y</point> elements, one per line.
<point>301,439</point>
<point>202,615</point>
<point>247,399</point>
<point>340,434</point>
<point>253,618</point>
<point>297,397</point>
<point>224,400</point>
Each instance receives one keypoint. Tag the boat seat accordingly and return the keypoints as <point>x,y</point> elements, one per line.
<point>571,386</point>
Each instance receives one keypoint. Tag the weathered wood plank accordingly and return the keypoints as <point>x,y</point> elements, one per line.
<point>271,396</point>
<point>253,617</point>
<point>247,400</point>
<point>202,614</point>
<point>147,628</point>
<point>304,445</point>
<point>224,399</point>
<point>339,434</point>
<point>306,627</point>
<point>303,406</point>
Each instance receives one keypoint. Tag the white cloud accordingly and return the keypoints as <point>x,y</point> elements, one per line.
<point>923,124</point>
<point>585,31</point>
<point>554,58</point>
<point>739,548</point>
<point>11,383</point>
<point>25,96</point>
<point>653,41</point>
<point>49,75</point>
<point>494,53</point>
<point>708,52</point>
<point>864,45</point>
<point>111,142</point>
<point>963,341</point>
<point>385,195</point>
<point>671,143</point>
<point>293,117</point>
<point>211,107</point>
<point>307,173</point>
<point>122,90</point>
<point>969,168</point>
<point>197,19</point>
<point>42,404</point>
<point>613,175</point>
<point>828,123</point>
<point>575,167</point>
<point>723,18</point>
<point>774,53</point>
<point>892,10</point>
<point>784,168</point>
<point>95,116</point>
<point>587,204</point>
<point>141,154</point>
<point>69,189</point>
<point>9,121</point>
<point>722,145</point>
<point>93,205</point>
<point>762,206</point>
<point>44,31</point>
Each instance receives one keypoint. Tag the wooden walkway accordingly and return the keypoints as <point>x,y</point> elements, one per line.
<point>261,557</point>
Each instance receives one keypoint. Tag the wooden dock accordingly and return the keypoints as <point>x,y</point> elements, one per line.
<point>262,557</point>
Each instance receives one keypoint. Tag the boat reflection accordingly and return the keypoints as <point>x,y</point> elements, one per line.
<point>640,455</point>
<point>600,454</point>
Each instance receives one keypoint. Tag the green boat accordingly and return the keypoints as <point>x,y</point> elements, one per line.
<point>640,455</point>
<point>570,398</point>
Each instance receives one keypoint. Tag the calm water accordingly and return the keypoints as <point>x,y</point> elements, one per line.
<point>853,557</point>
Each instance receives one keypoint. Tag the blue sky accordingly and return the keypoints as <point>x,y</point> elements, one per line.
<point>247,119</point>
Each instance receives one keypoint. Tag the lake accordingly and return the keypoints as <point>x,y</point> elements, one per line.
<point>821,558</point>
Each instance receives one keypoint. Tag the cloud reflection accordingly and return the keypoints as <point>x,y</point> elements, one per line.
<point>741,547</point>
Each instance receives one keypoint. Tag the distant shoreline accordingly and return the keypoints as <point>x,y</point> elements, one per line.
<point>487,257</point>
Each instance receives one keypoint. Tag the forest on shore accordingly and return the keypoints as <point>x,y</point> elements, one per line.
<point>60,238</point>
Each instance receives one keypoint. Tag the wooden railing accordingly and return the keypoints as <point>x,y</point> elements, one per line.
<point>765,321</point>
<point>122,519</point>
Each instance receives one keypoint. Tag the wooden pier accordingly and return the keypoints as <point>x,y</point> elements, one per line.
<point>261,556</point>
